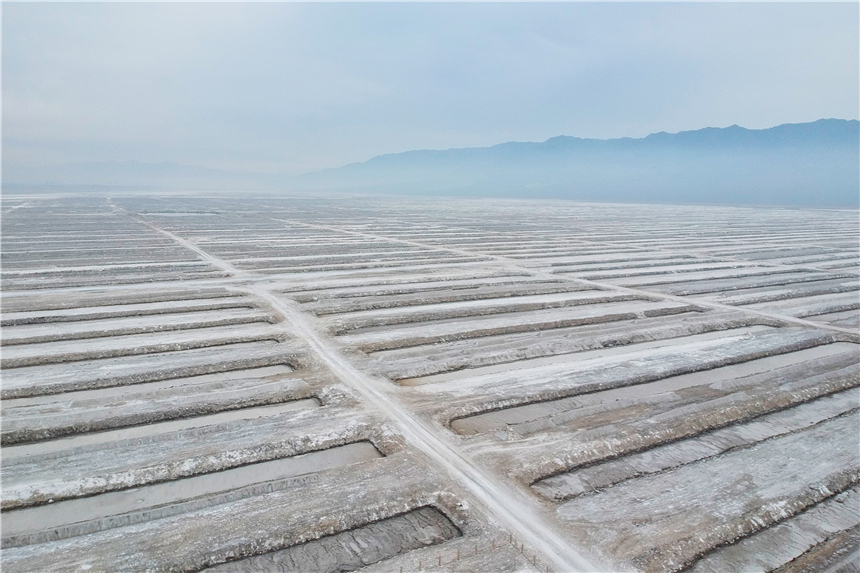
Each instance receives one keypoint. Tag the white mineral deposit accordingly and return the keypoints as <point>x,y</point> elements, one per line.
<point>268,383</point>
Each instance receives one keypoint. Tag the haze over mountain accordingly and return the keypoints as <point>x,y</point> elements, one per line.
<point>134,174</point>
<point>813,164</point>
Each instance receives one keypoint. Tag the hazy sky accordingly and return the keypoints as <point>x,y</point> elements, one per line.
<point>288,88</point>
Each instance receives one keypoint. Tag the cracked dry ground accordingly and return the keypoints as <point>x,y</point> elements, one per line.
<point>330,384</point>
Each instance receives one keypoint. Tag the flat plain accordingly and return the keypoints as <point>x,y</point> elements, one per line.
<point>265,383</point>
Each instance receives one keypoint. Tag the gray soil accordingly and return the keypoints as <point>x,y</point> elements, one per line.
<point>336,383</point>
<point>354,549</point>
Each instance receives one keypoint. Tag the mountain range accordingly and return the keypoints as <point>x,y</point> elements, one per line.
<point>813,164</point>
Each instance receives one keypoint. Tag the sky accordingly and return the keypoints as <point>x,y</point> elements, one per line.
<point>289,88</point>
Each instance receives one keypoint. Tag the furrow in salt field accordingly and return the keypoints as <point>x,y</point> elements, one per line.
<point>709,285</point>
<point>342,254</point>
<point>76,243</point>
<point>649,280</point>
<point>45,379</point>
<point>79,248</point>
<point>178,385</point>
<point>602,475</point>
<point>630,272</point>
<point>384,275</point>
<point>670,400</point>
<point>72,247</point>
<point>128,345</point>
<point>429,307</point>
<point>603,432</point>
<point>424,297</point>
<point>330,290</point>
<point>104,279</point>
<point>640,265</point>
<point>775,254</point>
<point>288,512</point>
<point>331,259</point>
<point>815,260</point>
<point>319,249</point>
<point>122,459</point>
<point>408,264</point>
<point>356,548</point>
<point>852,266</point>
<point>469,308</point>
<point>635,367</point>
<point>527,364</point>
<point>120,326</point>
<point>51,417</point>
<point>123,262</point>
<point>427,360</point>
<point>846,319</point>
<point>82,436</point>
<point>355,262</point>
<point>123,310</point>
<point>551,249</point>
<point>95,269</point>
<point>80,516</point>
<point>373,338</point>
<point>780,292</point>
<point>823,538</point>
<point>721,499</point>
<point>603,259</point>
<point>813,305</point>
<point>85,300</point>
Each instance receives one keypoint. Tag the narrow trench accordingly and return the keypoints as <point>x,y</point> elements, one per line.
<point>706,432</point>
<point>104,315</point>
<point>152,419</point>
<point>637,381</point>
<point>151,376</point>
<point>25,361</point>
<point>603,346</point>
<point>672,442</point>
<point>690,563</point>
<point>79,516</point>
<point>131,331</point>
<point>354,548</point>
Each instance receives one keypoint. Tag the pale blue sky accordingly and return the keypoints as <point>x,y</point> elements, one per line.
<point>289,88</point>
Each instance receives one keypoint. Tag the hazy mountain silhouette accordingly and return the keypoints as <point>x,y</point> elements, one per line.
<point>810,164</point>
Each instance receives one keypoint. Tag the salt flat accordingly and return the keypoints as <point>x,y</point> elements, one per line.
<point>332,383</point>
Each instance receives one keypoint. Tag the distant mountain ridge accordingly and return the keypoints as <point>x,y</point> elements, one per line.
<point>811,164</point>
<point>823,131</point>
<point>814,164</point>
